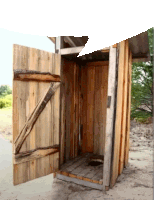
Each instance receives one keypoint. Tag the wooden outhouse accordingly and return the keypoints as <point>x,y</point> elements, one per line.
<point>71,115</point>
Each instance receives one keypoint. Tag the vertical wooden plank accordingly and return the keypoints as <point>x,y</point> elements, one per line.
<point>84,108</point>
<point>104,106</point>
<point>42,167</point>
<point>51,116</point>
<point>97,110</point>
<point>76,116</point>
<point>110,117</point>
<point>21,171</point>
<point>90,107</point>
<point>124,110</point>
<point>62,126</point>
<point>56,111</point>
<point>15,110</point>
<point>116,150</point>
<point>128,110</point>
<point>31,103</point>
<point>66,71</point>
<point>80,110</point>
<point>72,80</point>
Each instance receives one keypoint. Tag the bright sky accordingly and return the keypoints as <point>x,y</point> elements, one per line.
<point>7,39</point>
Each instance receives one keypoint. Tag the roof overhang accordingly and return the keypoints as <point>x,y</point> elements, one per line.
<point>138,44</point>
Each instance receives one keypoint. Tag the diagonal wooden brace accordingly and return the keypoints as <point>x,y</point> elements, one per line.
<point>34,116</point>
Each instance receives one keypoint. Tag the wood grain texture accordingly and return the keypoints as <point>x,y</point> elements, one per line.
<point>62,116</point>
<point>21,76</point>
<point>28,156</point>
<point>124,109</point>
<point>118,119</point>
<point>33,117</point>
<point>126,156</point>
<point>93,99</point>
<point>84,109</point>
<point>90,108</point>
<point>70,110</point>
<point>25,98</point>
<point>110,117</point>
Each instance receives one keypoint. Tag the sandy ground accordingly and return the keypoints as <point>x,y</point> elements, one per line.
<point>134,183</point>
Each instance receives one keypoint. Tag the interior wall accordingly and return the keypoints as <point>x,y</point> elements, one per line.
<point>69,134</point>
<point>93,101</point>
<point>83,108</point>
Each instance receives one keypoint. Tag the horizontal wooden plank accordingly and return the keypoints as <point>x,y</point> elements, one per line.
<point>33,155</point>
<point>72,50</point>
<point>80,182</point>
<point>33,76</point>
<point>77,50</point>
<point>34,116</point>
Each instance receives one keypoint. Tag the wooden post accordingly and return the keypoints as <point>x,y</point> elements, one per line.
<point>109,117</point>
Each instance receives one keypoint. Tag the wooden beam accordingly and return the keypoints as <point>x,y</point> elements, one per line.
<point>73,50</point>
<point>110,117</point>
<point>26,75</point>
<point>53,39</point>
<point>34,116</point>
<point>69,41</point>
<point>35,154</point>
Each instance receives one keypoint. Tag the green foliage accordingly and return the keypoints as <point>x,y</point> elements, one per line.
<point>6,101</point>
<point>142,87</point>
<point>5,90</point>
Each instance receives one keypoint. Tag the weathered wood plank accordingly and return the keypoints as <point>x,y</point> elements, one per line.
<point>98,110</point>
<point>128,111</point>
<point>84,109</point>
<point>104,85</point>
<point>33,155</point>
<point>62,115</point>
<point>123,128</point>
<point>27,97</point>
<point>69,163</point>
<point>118,115</point>
<point>56,108</point>
<point>31,103</point>
<point>20,172</point>
<point>32,119</point>
<point>90,107</point>
<point>72,114</point>
<point>46,77</point>
<point>80,182</point>
<point>72,50</point>
<point>110,117</point>
<point>76,114</point>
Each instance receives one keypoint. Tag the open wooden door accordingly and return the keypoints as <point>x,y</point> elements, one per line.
<point>36,94</point>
